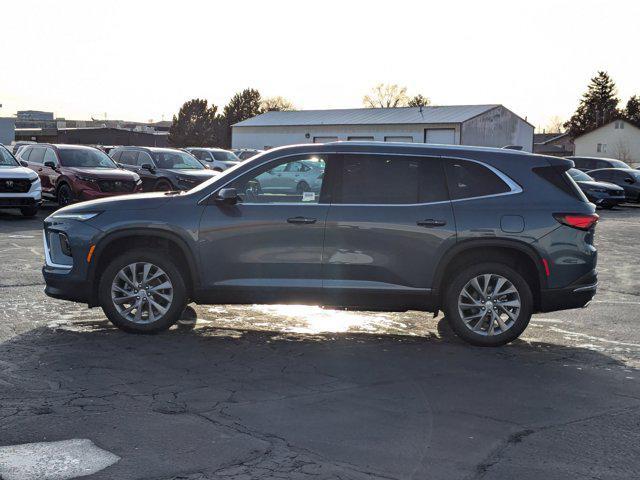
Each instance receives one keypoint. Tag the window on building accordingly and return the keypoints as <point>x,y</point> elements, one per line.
<point>601,148</point>
<point>360,139</point>
<point>399,138</point>
<point>469,179</point>
<point>619,125</point>
<point>323,140</point>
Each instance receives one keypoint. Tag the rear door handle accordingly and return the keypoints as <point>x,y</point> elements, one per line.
<point>430,223</point>
<point>302,220</point>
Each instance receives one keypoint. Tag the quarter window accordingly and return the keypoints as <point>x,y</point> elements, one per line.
<point>389,180</point>
<point>292,181</point>
<point>469,179</point>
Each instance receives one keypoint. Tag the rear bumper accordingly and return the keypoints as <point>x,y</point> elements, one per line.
<point>577,295</point>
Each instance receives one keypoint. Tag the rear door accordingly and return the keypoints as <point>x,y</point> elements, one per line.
<point>389,223</point>
<point>36,163</point>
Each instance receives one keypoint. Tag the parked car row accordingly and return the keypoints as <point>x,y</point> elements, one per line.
<point>19,186</point>
<point>608,173</point>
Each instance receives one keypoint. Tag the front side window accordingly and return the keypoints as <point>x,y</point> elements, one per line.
<point>6,159</point>
<point>224,156</point>
<point>144,159</point>
<point>50,156</point>
<point>177,160</point>
<point>284,182</point>
<point>37,155</point>
<point>85,158</point>
<point>468,179</point>
<point>129,157</point>
<point>390,180</point>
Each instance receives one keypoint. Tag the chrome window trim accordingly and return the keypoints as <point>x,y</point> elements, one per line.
<point>513,186</point>
<point>47,256</point>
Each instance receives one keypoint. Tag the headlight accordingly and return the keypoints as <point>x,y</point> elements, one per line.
<point>599,190</point>
<point>85,179</point>
<point>82,216</point>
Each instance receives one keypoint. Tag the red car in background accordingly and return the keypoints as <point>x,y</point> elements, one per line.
<point>71,173</point>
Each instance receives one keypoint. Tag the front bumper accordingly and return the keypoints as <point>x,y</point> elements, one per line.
<point>577,295</point>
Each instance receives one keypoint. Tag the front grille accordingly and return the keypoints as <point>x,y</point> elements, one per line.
<point>116,186</point>
<point>615,193</point>
<point>15,185</point>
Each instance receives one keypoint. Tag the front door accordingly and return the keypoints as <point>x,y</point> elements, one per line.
<point>268,246</point>
<point>389,222</point>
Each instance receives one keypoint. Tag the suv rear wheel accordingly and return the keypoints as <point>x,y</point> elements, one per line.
<point>488,304</point>
<point>142,292</point>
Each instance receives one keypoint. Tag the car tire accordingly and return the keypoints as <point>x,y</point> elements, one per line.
<point>29,211</point>
<point>163,185</point>
<point>462,310</point>
<point>302,187</point>
<point>127,305</point>
<point>65,195</point>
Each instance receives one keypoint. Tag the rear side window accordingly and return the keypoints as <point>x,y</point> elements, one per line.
<point>601,175</point>
<point>129,157</point>
<point>389,180</point>
<point>116,155</point>
<point>470,179</point>
<point>24,155</point>
<point>562,180</point>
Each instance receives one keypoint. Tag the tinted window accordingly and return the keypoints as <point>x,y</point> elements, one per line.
<point>618,164</point>
<point>381,179</point>
<point>176,160</point>
<point>144,159</point>
<point>224,156</point>
<point>37,155</point>
<point>601,175</point>
<point>116,155</point>
<point>277,183</point>
<point>200,155</point>
<point>129,157</point>
<point>470,179</point>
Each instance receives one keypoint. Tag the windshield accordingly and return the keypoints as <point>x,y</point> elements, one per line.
<point>84,158</point>
<point>6,159</point>
<point>636,175</point>
<point>177,160</point>
<point>579,176</point>
<point>224,156</point>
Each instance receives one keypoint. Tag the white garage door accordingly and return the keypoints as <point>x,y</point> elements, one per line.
<point>324,139</point>
<point>445,136</point>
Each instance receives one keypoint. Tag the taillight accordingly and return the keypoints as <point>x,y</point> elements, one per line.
<point>580,221</point>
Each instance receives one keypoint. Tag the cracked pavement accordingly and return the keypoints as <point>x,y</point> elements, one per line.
<point>301,392</point>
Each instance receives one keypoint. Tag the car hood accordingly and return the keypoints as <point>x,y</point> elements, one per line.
<point>136,201</point>
<point>17,172</point>
<point>104,173</point>
<point>596,184</point>
<point>203,174</point>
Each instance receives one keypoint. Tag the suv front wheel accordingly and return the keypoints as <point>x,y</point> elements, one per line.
<point>142,292</point>
<point>488,304</point>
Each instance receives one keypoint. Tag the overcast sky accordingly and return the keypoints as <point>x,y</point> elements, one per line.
<point>140,60</point>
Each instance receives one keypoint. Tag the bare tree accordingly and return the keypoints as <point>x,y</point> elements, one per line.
<point>277,104</point>
<point>386,96</point>
<point>555,125</point>
<point>419,101</point>
<point>623,152</point>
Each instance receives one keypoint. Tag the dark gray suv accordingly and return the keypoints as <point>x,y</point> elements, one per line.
<point>489,236</point>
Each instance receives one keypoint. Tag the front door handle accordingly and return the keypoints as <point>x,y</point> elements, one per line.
<point>430,223</point>
<point>302,220</point>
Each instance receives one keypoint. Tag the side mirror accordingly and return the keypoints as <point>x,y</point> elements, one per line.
<point>228,196</point>
<point>148,166</point>
<point>24,163</point>
<point>207,167</point>
<point>50,164</point>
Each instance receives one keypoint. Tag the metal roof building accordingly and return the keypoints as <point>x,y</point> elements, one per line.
<point>481,125</point>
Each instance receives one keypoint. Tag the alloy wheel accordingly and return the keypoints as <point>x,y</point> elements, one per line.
<point>142,292</point>
<point>489,304</point>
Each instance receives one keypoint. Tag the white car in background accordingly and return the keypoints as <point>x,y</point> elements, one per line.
<point>217,159</point>
<point>298,178</point>
<point>19,186</point>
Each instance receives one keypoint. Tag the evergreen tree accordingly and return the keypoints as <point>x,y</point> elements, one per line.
<point>632,111</point>
<point>243,105</point>
<point>598,106</point>
<point>419,101</point>
<point>195,125</point>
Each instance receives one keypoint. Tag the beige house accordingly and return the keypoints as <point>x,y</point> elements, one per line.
<point>618,139</point>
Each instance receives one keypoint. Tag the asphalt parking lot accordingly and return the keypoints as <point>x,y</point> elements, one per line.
<point>300,392</point>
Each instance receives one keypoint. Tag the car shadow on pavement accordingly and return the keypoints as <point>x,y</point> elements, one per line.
<point>209,402</point>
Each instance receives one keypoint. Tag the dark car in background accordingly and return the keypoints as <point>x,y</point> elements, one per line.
<point>246,153</point>
<point>603,194</point>
<point>71,173</point>
<point>592,163</point>
<point>627,178</point>
<point>217,158</point>
<point>162,169</point>
<point>390,227</point>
